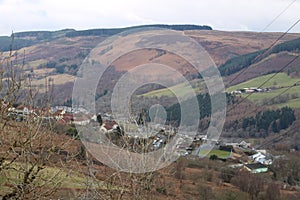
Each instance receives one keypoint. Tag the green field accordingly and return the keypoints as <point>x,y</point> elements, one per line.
<point>219,153</point>
<point>279,84</point>
<point>181,89</point>
<point>294,103</point>
<point>273,93</point>
<point>279,80</point>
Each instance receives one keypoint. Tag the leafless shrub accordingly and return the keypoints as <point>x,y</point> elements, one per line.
<point>30,162</point>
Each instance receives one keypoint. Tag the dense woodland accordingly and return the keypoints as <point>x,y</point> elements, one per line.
<point>270,120</point>
<point>261,125</point>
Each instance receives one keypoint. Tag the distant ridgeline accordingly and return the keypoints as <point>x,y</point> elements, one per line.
<point>25,39</point>
<point>112,31</point>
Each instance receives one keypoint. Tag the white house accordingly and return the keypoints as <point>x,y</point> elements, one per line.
<point>261,158</point>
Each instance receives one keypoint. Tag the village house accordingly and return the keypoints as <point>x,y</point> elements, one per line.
<point>109,126</point>
<point>21,112</point>
<point>81,119</point>
<point>262,158</point>
<point>241,144</point>
<point>58,114</point>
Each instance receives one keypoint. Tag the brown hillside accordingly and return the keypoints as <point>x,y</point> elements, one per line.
<point>68,54</point>
<point>222,45</point>
<point>272,63</point>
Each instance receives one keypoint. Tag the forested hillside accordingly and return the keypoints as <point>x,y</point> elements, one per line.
<point>243,61</point>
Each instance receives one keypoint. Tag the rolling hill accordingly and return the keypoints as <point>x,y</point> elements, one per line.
<point>54,57</point>
<point>58,55</point>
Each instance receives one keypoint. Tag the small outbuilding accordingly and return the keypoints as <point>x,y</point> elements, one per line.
<point>256,168</point>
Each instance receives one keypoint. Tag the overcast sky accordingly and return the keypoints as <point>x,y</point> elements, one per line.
<point>242,15</point>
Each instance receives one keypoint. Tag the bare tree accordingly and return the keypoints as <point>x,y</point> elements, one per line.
<point>273,192</point>
<point>205,193</point>
<point>250,183</point>
<point>30,160</point>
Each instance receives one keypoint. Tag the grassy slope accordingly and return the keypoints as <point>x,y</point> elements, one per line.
<point>280,82</point>
<point>62,177</point>
<point>179,89</point>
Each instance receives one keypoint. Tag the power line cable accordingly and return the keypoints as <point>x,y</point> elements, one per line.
<point>257,58</point>
<point>283,135</point>
<point>281,93</point>
<point>284,67</point>
<point>267,50</point>
<point>287,65</point>
<point>283,11</point>
<point>295,128</point>
<point>278,137</point>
